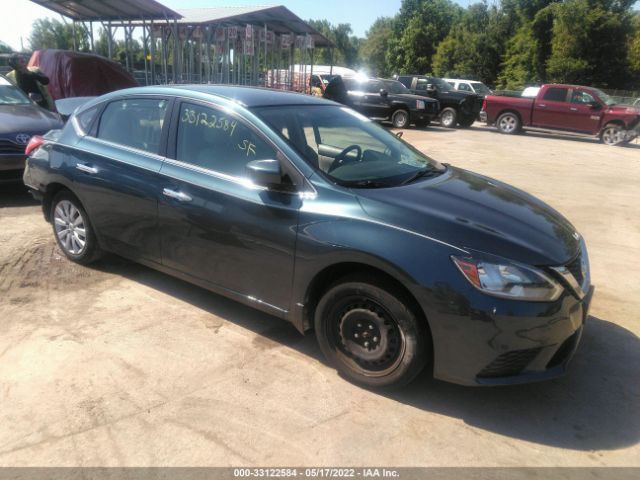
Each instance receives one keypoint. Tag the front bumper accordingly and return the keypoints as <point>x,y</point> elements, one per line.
<point>422,116</point>
<point>509,342</point>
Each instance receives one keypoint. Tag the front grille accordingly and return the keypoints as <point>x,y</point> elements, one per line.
<point>7,147</point>
<point>510,363</point>
<point>575,268</point>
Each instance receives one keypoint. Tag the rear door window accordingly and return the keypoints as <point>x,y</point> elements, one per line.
<point>556,94</point>
<point>134,122</point>
<point>213,139</point>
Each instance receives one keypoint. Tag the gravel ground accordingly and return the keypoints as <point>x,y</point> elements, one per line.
<point>120,365</point>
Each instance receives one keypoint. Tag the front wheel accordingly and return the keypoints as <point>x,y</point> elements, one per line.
<point>400,119</point>
<point>449,118</point>
<point>509,123</point>
<point>370,334</point>
<point>612,134</point>
<point>72,229</point>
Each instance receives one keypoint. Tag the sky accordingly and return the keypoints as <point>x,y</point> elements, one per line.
<point>359,13</point>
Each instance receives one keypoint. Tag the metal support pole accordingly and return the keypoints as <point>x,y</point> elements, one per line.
<point>73,32</point>
<point>176,40</point>
<point>93,47</point>
<point>109,41</point>
<point>144,52</point>
<point>152,53</point>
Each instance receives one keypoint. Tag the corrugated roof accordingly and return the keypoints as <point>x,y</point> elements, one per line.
<point>277,18</point>
<point>95,10</point>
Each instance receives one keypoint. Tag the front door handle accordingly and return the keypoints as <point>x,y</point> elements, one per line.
<point>180,196</point>
<point>542,105</point>
<point>573,109</point>
<point>86,168</point>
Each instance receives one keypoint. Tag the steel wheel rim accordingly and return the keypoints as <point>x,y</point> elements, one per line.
<point>508,123</point>
<point>447,118</point>
<point>70,227</point>
<point>611,136</point>
<point>361,321</point>
<point>401,119</point>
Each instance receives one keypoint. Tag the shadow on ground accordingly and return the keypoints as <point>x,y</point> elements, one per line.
<point>596,406</point>
<point>15,194</point>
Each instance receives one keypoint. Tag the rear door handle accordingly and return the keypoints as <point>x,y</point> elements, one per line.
<point>573,109</point>
<point>542,105</point>
<point>86,168</point>
<point>180,196</point>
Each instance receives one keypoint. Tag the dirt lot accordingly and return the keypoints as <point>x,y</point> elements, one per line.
<point>120,365</point>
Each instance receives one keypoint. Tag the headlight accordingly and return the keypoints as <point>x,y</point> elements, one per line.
<point>502,278</point>
<point>420,104</point>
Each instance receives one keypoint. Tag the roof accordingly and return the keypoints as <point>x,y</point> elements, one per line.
<point>249,97</point>
<point>277,18</point>
<point>252,96</point>
<point>96,10</point>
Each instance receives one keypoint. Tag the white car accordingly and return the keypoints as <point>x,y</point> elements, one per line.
<point>472,86</point>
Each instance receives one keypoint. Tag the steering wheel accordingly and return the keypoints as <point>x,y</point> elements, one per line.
<point>342,159</point>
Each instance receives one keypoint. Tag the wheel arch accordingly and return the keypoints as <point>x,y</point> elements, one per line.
<point>331,274</point>
<point>50,192</point>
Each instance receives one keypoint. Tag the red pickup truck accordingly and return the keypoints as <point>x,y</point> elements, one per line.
<point>570,108</point>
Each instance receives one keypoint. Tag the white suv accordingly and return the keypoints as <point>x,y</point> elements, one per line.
<point>469,86</point>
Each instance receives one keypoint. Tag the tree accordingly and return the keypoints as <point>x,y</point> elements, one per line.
<point>4,48</point>
<point>418,29</point>
<point>347,46</point>
<point>590,41</point>
<point>51,33</point>
<point>373,50</point>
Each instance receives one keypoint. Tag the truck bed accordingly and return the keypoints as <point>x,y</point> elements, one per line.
<point>495,105</point>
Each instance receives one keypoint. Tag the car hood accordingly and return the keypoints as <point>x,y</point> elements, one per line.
<point>623,110</point>
<point>473,212</point>
<point>28,119</point>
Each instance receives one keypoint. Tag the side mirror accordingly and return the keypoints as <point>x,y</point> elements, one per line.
<point>264,173</point>
<point>36,97</point>
<point>384,93</point>
<point>431,88</point>
<point>595,105</point>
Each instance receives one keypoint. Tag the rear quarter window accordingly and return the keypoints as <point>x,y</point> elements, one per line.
<point>135,123</point>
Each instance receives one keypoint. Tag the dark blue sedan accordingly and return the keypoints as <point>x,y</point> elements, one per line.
<point>20,119</point>
<point>307,210</point>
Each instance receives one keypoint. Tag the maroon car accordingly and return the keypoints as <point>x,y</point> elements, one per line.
<point>570,108</point>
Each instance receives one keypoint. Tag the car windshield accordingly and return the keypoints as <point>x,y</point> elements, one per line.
<point>10,95</point>
<point>605,98</point>
<point>347,147</point>
<point>395,87</point>
<point>480,88</point>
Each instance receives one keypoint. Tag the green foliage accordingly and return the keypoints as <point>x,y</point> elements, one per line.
<point>373,50</point>
<point>51,33</point>
<point>4,48</point>
<point>418,29</point>
<point>346,52</point>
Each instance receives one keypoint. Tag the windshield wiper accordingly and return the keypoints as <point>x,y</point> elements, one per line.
<point>425,172</point>
<point>367,184</point>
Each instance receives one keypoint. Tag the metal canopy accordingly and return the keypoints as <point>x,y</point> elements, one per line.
<point>106,10</point>
<point>277,18</point>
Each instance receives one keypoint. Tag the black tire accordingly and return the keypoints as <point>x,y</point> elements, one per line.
<point>612,134</point>
<point>358,316</point>
<point>400,118</point>
<point>78,247</point>
<point>449,117</point>
<point>509,123</point>
<point>466,122</point>
<point>423,123</point>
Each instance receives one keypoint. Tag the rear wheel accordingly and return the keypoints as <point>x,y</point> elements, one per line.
<point>370,334</point>
<point>466,122</point>
<point>509,123</point>
<point>449,118</point>
<point>400,119</point>
<point>612,134</point>
<point>72,229</point>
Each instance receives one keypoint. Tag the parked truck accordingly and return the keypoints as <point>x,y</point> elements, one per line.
<point>569,108</point>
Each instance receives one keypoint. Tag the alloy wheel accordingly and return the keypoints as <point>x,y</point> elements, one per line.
<point>508,123</point>
<point>70,227</point>
<point>612,135</point>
